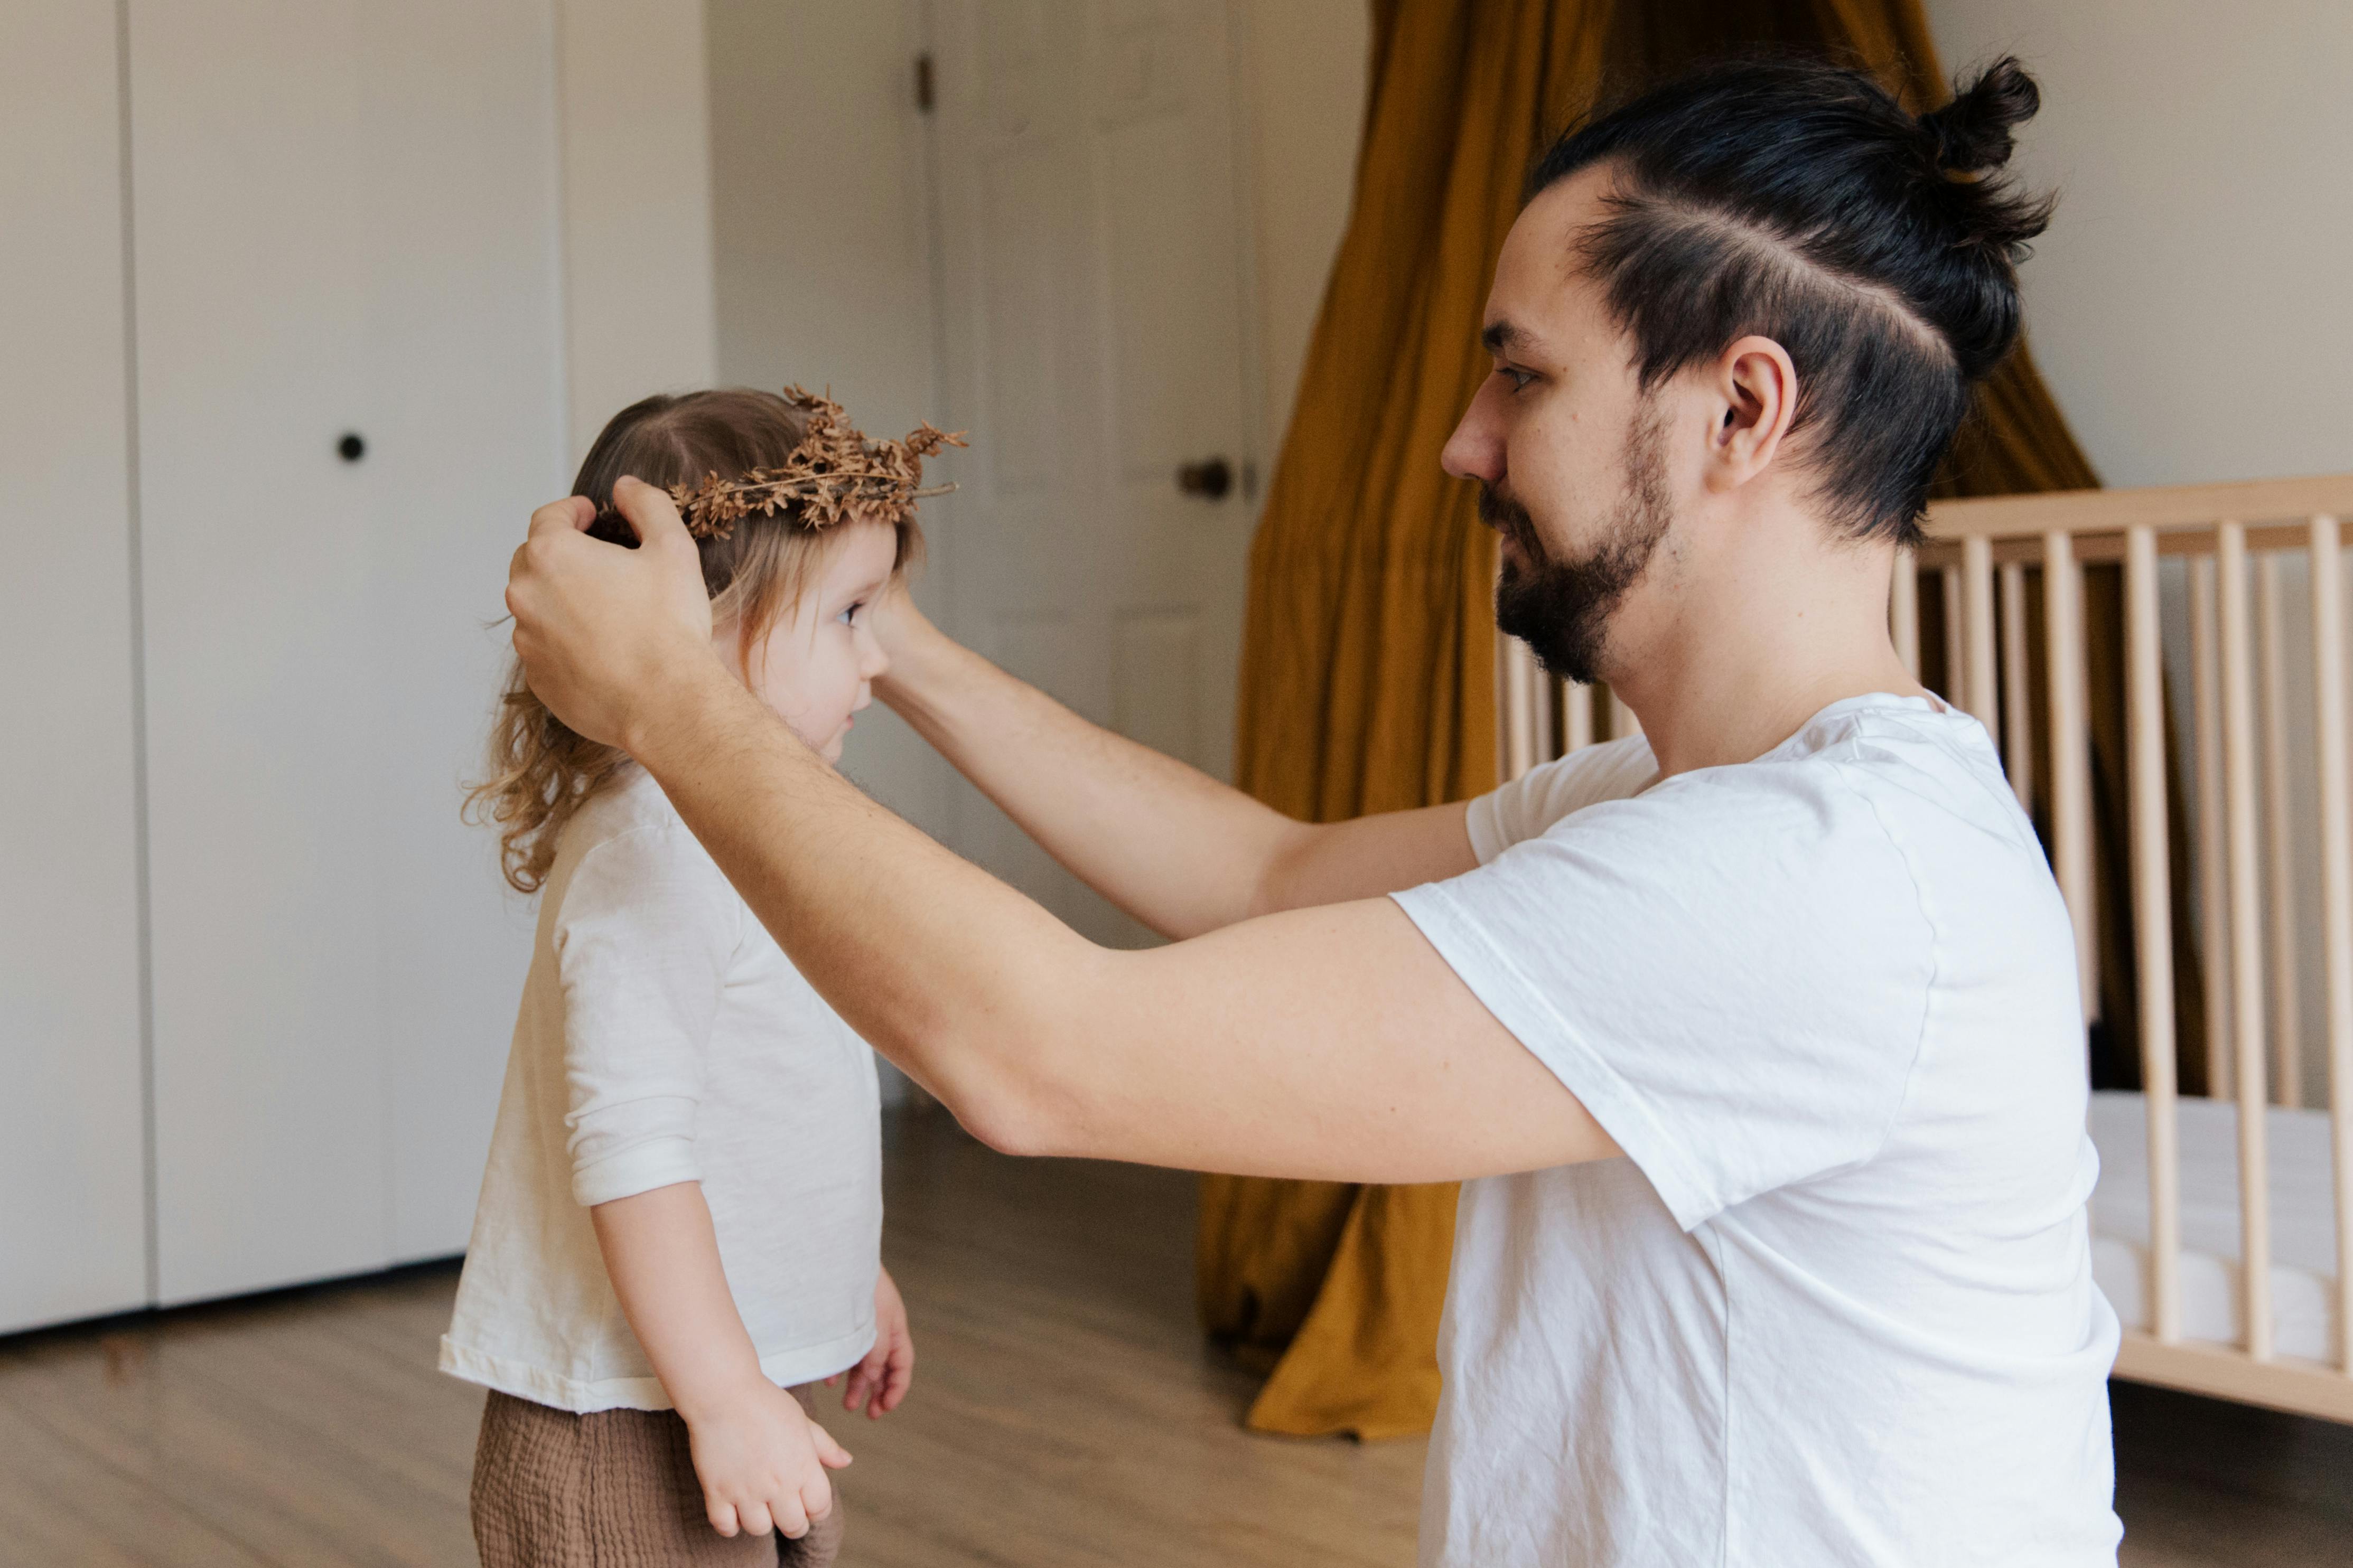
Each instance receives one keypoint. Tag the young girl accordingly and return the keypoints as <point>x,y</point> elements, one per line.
<point>678,1233</point>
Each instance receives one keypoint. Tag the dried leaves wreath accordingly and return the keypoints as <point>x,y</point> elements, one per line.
<point>836,475</point>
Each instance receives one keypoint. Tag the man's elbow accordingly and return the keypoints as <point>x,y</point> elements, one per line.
<point>1012,1119</point>
<point>1016,1095</point>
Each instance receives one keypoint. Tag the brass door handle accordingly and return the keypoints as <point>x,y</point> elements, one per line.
<point>1210,479</point>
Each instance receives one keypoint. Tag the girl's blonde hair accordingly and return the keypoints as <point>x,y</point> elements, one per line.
<point>540,770</point>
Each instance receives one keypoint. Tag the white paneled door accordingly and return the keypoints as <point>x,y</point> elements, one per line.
<point>343,267</point>
<point>1094,310</point>
<point>73,1142</point>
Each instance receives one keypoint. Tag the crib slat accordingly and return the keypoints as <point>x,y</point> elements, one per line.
<point>1981,697</point>
<point>1957,669</point>
<point>1904,611</point>
<point>2152,893</point>
<point>2288,999</point>
<point>2246,938</point>
<point>2213,898</point>
<point>1519,708</point>
<point>1577,717</point>
<point>2335,890</point>
<point>1547,715</point>
<point>2017,707</point>
<point>2071,784</point>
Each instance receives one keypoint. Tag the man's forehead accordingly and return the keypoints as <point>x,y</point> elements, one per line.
<point>1540,292</point>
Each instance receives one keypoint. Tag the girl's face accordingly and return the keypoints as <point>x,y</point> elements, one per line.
<point>817,666</point>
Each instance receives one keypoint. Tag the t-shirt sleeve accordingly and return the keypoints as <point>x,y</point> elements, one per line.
<point>642,942</point>
<point>1731,972</point>
<point>1529,805</point>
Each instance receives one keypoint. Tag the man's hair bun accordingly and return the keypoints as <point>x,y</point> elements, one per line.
<point>1973,134</point>
<point>1967,143</point>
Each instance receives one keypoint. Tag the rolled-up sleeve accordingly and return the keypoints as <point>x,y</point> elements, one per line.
<point>642,943</point>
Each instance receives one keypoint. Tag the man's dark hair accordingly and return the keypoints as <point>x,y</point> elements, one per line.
<point>1798,201</point>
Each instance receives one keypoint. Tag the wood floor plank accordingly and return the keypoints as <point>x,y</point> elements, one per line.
<point>1067,1414</point>
<point>61,1505</point>
<point>306,1493</point>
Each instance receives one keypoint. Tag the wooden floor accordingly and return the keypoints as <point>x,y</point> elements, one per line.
<point>1065,1412</point>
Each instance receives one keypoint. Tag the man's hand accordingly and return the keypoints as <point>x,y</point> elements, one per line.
<point>903,630</point>
<point>605,632</point>
<point>880,1382</point>
<point>762,1462</point>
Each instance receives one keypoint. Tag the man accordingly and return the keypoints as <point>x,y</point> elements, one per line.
<point>1755,1041</point>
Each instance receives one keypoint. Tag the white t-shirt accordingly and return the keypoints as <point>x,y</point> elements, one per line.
<point>664,1037</point>
<point>1835,1305</point>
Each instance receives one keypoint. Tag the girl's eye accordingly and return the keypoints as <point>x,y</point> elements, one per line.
<point>849,617</point>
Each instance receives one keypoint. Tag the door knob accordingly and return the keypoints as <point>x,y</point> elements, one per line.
<point>351,448</point>
<point>1209,479</point>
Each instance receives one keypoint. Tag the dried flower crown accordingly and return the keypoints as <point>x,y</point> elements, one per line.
<point>834,476</point>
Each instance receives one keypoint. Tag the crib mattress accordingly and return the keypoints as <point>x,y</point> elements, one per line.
<point>2303,1224</point>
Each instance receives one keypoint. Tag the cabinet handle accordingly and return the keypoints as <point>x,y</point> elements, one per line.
<point>352,448</point>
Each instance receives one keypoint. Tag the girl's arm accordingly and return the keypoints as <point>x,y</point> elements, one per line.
<point>1166,842</point>
<point>761,1460</point>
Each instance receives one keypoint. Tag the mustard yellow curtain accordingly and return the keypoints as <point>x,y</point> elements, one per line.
<point>1368,668</point>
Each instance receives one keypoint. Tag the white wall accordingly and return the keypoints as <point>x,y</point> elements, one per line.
<point>633,102</point>
<point>1302,85</point>
<point>822,256</point>
<point>2188,306</point>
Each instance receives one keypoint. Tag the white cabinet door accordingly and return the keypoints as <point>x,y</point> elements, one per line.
<point>464,352</point>
<point>251,282</point>
<point>1094,319</point>
<point>73,1233</point>
<point>343,221</point>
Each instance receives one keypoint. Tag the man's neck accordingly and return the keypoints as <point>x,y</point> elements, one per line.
<point>1722,660</point>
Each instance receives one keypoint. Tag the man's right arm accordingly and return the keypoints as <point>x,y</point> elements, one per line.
<point>1171,846</point>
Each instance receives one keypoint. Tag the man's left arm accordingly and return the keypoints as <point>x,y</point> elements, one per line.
<point>1330,1042</point>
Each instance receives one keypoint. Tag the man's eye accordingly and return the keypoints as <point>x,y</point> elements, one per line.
<point>1520,378</point>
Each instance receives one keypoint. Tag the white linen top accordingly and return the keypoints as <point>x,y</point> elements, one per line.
<point>664,1037</point>
<point>1835,1304</point>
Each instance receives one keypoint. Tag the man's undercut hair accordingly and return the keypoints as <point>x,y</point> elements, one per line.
<point>1798,201</point>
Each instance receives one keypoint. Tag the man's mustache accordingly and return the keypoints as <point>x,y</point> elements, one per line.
<point>1509,518</point>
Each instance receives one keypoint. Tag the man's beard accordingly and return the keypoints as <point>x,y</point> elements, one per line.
<point>1561,609</point>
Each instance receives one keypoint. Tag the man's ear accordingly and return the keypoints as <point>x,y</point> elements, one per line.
<point>1756,388</point>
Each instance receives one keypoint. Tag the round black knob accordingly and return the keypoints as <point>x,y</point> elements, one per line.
<point>1210,481</point>
<point>351,448</point>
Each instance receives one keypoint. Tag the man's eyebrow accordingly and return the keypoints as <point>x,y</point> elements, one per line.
<point>1499,336</point>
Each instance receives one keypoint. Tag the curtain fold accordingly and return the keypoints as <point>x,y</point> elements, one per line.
<point>1368,666</point>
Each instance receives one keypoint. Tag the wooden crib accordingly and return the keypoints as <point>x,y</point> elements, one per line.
<point>2258,1306</point>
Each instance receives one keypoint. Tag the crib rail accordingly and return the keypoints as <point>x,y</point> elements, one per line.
<point>1977,568</point>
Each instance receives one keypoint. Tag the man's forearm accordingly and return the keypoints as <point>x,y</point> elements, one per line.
<point>1171,846</point>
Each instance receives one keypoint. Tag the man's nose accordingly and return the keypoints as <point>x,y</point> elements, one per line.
<point>1476,450</point>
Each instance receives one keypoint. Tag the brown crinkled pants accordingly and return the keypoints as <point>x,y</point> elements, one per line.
<point>612,1489</point>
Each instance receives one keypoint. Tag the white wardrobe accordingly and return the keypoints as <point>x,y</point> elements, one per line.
<point>280,317</point>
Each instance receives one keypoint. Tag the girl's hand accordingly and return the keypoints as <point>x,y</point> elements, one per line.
<point>762,1463</point>
<point>880,1381</point>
